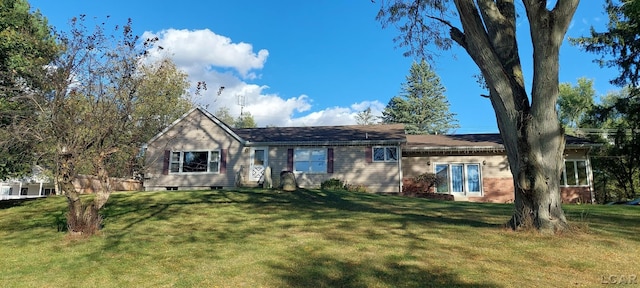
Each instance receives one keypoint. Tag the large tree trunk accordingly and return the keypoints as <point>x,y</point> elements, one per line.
<point>82,219</point>
<point>530,130</point>
<point>102,195</point>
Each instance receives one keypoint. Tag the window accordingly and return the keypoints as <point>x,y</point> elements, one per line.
<point>5,190</point>
<point>458,178</point>
<point>574,173</point>
<point>385,154</point>
<point>214,161</point>
<point>194,162</point>
<point>310,160</point>
<point>258,157</point>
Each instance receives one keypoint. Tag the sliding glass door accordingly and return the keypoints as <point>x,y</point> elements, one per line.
<point>459,179</point>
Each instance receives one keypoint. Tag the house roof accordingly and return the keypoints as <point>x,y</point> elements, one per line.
<point>381,134</point>
<point>475,142</point>
<point>320,135</point>
<point>213,118</point>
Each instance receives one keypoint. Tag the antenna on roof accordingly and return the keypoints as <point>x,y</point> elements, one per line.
<point>242,101</point>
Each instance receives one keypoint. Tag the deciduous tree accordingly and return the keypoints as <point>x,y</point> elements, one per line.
<point>94,106</point>
<point>26,46</point>
<point>365,117</point>
<point>161,98</point>
<point>574,102</point>
<point>528,124</point>
<point>223,114</point>
<point>619,47</point>
<point>245,121</point>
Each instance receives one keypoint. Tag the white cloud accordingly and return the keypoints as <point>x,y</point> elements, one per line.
<point>203,49</point>
<point>204,55</point>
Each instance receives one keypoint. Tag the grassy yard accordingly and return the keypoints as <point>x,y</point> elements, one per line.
<point>311,238</point>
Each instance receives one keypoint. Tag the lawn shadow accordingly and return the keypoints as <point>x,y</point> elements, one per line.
<point>310,269</point>
<point>10,203</point>
<point>621,221</point>
<point>318,202</point>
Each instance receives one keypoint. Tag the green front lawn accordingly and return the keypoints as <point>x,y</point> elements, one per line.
<point>311,238</point>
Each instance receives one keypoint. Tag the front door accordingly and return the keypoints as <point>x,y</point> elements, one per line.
<point>259,159</point>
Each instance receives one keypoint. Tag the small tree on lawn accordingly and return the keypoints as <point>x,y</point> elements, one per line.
<point>88,112</point>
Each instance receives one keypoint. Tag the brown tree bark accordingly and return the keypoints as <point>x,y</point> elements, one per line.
<point>82,218</point>
<point>532,135</point>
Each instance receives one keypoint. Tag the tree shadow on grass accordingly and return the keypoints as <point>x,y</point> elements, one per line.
<point>320,202</point>
<point>310,269</point>
<point>270,205</point>
<point>9,203</point>
<point>313,203</point>
<point>621,221</point>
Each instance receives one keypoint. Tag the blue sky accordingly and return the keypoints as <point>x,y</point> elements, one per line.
<point>308,63</point>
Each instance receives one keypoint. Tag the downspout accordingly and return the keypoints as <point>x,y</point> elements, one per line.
<point>400,169</point>
<point>590,176</point>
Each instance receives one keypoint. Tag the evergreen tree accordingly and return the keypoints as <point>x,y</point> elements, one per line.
<point>421,105</point>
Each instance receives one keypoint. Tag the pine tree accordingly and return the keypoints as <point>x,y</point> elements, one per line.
<point>421,105</point>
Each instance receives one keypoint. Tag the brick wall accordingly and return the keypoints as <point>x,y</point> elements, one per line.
<point>500,190</point>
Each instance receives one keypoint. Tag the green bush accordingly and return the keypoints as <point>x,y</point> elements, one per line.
<point>355,187</point>
<point>332,184</point>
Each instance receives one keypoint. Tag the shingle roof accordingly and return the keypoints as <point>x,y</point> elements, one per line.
<point>316,134</point>
<point>486,141</point>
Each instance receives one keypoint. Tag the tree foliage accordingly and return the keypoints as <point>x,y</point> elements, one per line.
<point>101,100</point>
<point>365,117</point>
<point>528,124</point>
<point>618,160</point>
<point>26,46</point>
<point>245,120</point>
<point>619,47</point>
<point>223,114</point>
<point>574,102</point>
<point>422,105</point>
<point>242,121</point>
<point>160,98</point>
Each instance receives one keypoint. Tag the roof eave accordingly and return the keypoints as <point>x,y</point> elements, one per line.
<point>427,149</point>
<point>327,143</point>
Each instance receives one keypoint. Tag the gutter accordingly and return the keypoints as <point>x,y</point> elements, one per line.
<point>499,148</point>
<point>456,149</point>
<point>326,143</point>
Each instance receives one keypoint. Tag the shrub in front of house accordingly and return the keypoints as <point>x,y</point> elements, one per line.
<point>355,187</point>
<point>332,184</point>
<point>422,186</point>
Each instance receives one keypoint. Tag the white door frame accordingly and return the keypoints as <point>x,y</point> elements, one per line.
<point>256,172</point>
